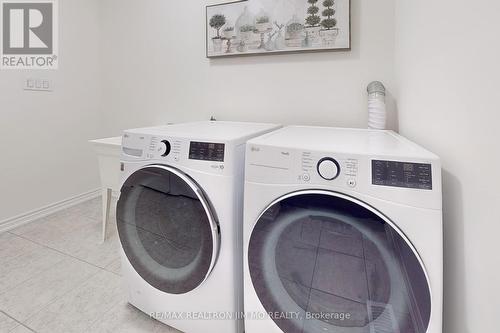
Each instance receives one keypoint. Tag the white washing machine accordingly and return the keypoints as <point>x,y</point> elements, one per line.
<point>342,233</point>
<point>179,220</point>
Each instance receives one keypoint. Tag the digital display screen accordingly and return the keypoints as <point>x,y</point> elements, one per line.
<point>206,151</point>
<point>402,174</point>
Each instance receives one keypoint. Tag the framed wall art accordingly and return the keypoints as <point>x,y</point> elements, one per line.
<point>255,27</point>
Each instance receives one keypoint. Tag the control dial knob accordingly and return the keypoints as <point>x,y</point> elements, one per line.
<point>165,148</point>
<point>328,168</point>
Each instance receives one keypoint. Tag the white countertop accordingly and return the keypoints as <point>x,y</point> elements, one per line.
<point>115,141</point>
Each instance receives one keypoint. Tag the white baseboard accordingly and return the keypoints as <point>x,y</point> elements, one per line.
<point>17,221</point>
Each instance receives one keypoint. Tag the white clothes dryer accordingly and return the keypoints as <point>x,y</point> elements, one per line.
<point>342,233</point>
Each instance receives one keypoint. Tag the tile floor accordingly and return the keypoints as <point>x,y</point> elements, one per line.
<point>57,276</point>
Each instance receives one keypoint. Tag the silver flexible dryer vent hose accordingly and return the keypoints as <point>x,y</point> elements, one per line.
<point>377,113</point>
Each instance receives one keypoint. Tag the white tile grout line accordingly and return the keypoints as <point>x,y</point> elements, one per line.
<point>100,269</point>
<point>66,255</point>
<point>55,299</point>
<point>63,253</point>
<point>11,232</point>
<point>46,270</point>
<point>29,278</point>
<point>103,315</point>
<point>17,321</point>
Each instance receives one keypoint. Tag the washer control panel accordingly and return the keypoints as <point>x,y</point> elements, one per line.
<point>328,168</point>
<point>163,148</point>
<point>207,151</point>
<point>166,148</point>
<point>204,156</point>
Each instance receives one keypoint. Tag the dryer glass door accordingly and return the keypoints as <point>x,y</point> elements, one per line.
<point>167,229</point>
<point>324,262</point>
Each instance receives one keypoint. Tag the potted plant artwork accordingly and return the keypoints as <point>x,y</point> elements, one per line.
<point>247,27</point>
<point>217,22</point>
<point>246,32</point>
<point>313,21</point>
<point>294,33</point>
<point>262,26</point>
<point>279,40</point>
<point>329,23</point>
<point>263,23</point>
<point>228,32</point>
<point>244,29</point>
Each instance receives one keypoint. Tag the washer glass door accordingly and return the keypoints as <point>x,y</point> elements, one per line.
<point>324,262</point>
<point>167,229</point>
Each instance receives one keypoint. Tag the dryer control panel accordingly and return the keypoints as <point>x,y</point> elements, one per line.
<point>278,165</point>
<point>386,177</point>
<point>402,174</point>
<point>210,157</point>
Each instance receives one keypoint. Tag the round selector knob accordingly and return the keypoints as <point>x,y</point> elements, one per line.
<point>328,168</point>
<point>166,148</point>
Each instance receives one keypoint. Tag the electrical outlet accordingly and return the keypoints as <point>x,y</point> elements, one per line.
<point>38,85</point>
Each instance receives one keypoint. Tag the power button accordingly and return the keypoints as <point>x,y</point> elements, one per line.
<point>351,183</point>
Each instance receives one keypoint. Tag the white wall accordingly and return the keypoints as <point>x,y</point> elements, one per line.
<point>156,71</point>
<point>137,63</point>
<point>44,154</point>
<point>448,71</point>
